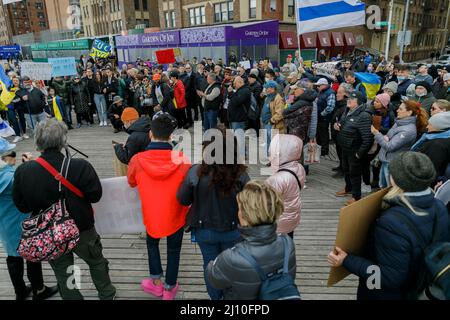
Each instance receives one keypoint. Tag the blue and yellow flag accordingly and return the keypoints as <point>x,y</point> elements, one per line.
<point>57,109</point>
<point>7,95</point>
<point>100,49</point>
<point>371,82</point>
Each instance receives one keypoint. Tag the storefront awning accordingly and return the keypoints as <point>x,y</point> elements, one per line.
<point>324,39</point>
<point>288,40</point>
<point>337,39</point>
<point>349,39</point>
<point>309,40</point>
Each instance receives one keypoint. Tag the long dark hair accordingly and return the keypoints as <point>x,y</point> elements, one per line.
<point>226,175</point>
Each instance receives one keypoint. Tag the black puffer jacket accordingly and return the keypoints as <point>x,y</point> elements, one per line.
<point>234,275</point>
<point>79,97</point>
<point>355,135</point>
<point>209,209</point>
<point>297,118</point>
<point>35,189</point>
<point>239,102</point>
<point>339,110</point>
<point>137,141</point>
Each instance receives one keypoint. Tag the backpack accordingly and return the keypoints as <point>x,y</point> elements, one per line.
<point>253,112</point>
<point>276,285</point>
<point>434,275</point>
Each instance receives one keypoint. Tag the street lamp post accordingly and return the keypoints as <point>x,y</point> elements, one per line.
<point>405,26</point>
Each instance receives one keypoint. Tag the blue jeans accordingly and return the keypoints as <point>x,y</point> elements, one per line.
<point>384,175</point>
<point>100,103</point>
<point>174,243</point>
<point>33,119</point>
<point>268,128</point>
<point>212,243</point>
<point>210,119</point>
<point>237,125</point>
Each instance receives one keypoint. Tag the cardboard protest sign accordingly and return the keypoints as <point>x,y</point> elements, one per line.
<point>119,210</point>
<point>245,64</point>
<point>36,70</point>
<point>62,67</point>
<point>353,229</point>
<point>326,69</point>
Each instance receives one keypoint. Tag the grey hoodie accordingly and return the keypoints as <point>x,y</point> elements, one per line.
<point>401,137</point>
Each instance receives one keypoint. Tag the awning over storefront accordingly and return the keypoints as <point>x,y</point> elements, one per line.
<point>288,40</point>
<point>324,39</point>
<point>349,39</point>
<point>309,40</point>
<point>337,39</point>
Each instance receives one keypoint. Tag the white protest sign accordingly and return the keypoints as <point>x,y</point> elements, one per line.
<point>119,210</point>
<point>245,64</point>
<point>326,69</point>
<point>36,70</point>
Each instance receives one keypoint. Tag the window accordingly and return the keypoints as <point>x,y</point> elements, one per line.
<point>252,9</point>
<point>291,8</point>
<point>273,5</point>
<point>137,4</point>
<point>42,24</point>
<point>41,15</point>
<point>173,19</point>
<point>197,16</point>
<point>145,5</point>
<point>223,11</point>
<point>39,6</point>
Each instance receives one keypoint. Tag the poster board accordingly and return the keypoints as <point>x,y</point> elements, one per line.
<point>62,67</point>
<point>36,70</point>
<point>119,211</point>
<point>353,229</point>
<point>326,69</point>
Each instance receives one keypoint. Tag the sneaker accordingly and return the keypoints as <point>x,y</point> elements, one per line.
<point>342,193</point>
<point>79,126</point>
<point>25,136</point>
<point>170,294</point>
<point>46,293</point>
<point>17,139</point>
<point>366,188</point>
<point>149,286</point>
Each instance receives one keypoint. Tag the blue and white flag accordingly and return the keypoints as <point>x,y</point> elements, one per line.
<point>318,15</point>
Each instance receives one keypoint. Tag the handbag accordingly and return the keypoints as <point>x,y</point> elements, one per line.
<point>311,154</point>
<point>52,233</point>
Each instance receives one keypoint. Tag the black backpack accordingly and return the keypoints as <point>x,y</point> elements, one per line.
<point>277,285</point>
<point>434,275</point>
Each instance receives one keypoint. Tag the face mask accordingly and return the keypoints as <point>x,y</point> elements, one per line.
<point>267,79</point>
<point>401,78</point>
<point>421,94</point>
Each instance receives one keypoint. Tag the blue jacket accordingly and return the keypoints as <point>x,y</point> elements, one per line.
<point>322,104</point>
<point>10,217</point>
<point>394,248</point>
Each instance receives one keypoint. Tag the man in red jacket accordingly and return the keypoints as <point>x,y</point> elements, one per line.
<point>158,172</point>
<point>179,99</point>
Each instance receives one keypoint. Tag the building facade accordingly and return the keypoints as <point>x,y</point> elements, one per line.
<point>5,33</point>
<point>102,17</point>
<point>64,14</point>
<point>28,16</point>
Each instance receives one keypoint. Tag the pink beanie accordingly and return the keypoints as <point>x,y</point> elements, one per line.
<point>384,98</point>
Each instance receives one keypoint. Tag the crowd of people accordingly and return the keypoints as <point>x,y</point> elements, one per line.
<point>399,138</point>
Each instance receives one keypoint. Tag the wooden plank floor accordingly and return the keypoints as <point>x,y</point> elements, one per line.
<point>127,253</point>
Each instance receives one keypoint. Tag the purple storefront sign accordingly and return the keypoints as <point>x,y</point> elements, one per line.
<point>265,32</point>
<point>170,38</point>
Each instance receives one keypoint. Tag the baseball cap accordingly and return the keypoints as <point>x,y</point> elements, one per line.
<point>117,99</point>
<point>299,85</point>
<point>251,75</point>
<point>356,95</point>
<point>322,82</point>
<point>289,56</point>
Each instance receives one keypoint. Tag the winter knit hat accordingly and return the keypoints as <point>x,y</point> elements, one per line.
<point>392,86</point>
<point>385,99</point>
<point>425,85</point>
<point>440,121</point>
<point>412,171</point>
<point>129,114</point>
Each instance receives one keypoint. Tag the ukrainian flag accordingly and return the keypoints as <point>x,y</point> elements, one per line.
<point>5,83</point>
<point>371,82</point>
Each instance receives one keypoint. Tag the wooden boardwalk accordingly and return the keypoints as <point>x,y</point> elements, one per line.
<point>127,253</point>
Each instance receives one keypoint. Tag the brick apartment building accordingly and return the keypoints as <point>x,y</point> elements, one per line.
<point>5,33</point>
<point>27,16</point>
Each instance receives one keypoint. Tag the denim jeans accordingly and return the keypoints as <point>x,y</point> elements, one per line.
<point>239,132</point>
<point>13,122</point>
<point>174,243</point>
<point>100,103</point>
<point>268,128</point>
<point>210,121</point>
<point>33,119</point>
<point>384,175</point>
<point>212,243</point>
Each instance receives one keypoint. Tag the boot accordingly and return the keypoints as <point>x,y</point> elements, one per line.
<point>46,293</point>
